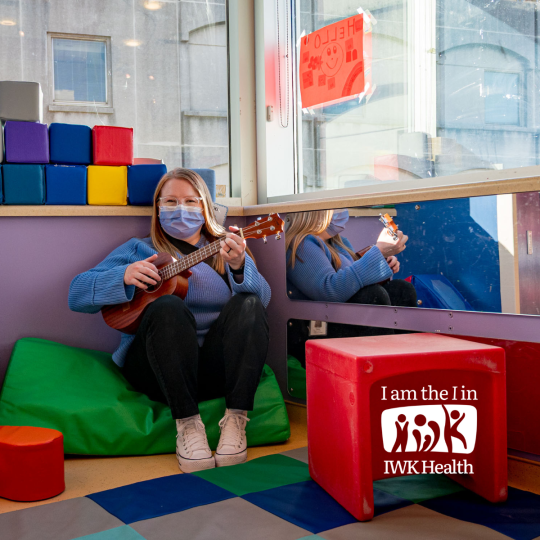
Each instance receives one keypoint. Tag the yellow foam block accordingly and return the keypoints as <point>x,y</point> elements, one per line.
<point>107,185</point>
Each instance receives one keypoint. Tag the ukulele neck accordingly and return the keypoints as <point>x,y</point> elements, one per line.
<point>190,260</point>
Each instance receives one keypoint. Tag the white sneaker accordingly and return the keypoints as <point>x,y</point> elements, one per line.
<point>232,447</point>
<point>192,448</point>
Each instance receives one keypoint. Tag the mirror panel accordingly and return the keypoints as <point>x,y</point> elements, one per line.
<point>470,254</point>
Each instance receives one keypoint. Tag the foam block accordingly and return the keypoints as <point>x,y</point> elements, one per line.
<point>70,144</point>
<point>66,184</point>
<point>142,182</point>
<point>112,145</point>
<point>1,190</point>
<point>24,184</point>
<point>26,142</point>
<point>209,176</point>
<point>31,463</point>
<point>1,142</point>
<point>22,101</point>
<point>107,185</point>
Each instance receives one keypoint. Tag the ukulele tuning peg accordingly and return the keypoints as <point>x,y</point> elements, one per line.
<point>265,240</point>
<point>278,236</point>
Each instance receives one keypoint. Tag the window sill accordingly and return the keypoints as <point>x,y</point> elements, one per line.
<point>81,108</point>
<point>45,210</point>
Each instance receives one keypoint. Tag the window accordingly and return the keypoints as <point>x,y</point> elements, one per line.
<point>160,67</point>
<point>502,98</point>
<point>451,91</point>
<point>80,70</point>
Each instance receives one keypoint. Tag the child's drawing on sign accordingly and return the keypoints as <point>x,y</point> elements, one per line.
<point>332,66</point>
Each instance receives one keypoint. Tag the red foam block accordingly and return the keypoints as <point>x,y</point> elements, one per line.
<point>31,463</point>
<point>112,145</point>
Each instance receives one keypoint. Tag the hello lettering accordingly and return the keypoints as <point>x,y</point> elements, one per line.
<point>335,33</point>
<point>431,394</point>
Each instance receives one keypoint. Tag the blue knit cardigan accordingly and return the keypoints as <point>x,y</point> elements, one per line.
<point>207,294</point>
<point>314,278</point>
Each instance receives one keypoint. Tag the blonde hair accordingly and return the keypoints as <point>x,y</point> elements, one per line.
<point>211,229</point>
<point>305,223</point>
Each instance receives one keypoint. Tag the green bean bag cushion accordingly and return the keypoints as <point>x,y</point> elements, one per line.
<point>84,395</point>
<point>296,378</point>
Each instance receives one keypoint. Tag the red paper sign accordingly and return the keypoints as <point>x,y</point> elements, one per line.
<point>332,63</point>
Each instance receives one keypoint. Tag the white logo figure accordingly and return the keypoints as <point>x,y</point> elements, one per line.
<point>430,428</point>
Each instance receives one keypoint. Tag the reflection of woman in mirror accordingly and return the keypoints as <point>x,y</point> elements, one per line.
<point>323,266</point>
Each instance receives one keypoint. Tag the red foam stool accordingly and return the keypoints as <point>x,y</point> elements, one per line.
<point>376,405</point>
<point>112,145</point>
<point>31,463</point>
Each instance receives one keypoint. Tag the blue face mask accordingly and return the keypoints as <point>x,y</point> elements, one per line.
<point>337,225</point>
<point>182,222</point>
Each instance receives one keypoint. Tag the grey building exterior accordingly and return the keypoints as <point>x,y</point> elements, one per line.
<point>166,71</point>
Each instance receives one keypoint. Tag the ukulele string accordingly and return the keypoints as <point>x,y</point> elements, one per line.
<point>192,259</point>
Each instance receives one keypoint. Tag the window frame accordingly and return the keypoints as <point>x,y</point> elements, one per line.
<point>80,106</point>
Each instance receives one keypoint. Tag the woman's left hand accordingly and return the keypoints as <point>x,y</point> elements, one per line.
<point>393,263</point>
<point>233,249</point>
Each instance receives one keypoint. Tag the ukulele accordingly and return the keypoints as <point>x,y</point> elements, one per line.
<point>174,275</point>
<point>391,229</point>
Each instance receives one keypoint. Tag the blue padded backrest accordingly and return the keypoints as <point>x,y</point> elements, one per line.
<point>66,184</point>
<point>24,184</point>
<point>209,176</point>
<point>142,182</point>
<point>70,144</point>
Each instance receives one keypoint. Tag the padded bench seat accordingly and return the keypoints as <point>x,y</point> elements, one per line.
<point>83,394</point>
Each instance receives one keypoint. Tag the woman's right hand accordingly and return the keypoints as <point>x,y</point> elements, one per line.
<point>141,272</point>
<point>388,246</point>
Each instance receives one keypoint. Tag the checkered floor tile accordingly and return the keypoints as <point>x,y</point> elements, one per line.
<point>273,498</point>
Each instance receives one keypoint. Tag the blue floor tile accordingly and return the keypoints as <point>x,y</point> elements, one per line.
<point>159,497</point>
<point>308,506</point>
<point>518,517</point>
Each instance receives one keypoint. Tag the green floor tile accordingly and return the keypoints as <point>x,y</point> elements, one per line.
<point>119,533</point>
<point>263,473</point>
<point>419,487</point>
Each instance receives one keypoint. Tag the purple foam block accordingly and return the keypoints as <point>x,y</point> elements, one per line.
<point>26,142</point>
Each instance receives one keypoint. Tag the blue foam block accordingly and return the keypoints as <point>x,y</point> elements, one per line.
<point>159,497</point>
<point>142,182</point>
<point>70,144</point>
<point>66,184</point>
<point>1,190</point>
<point>24,184</point>
<point>209,176</point>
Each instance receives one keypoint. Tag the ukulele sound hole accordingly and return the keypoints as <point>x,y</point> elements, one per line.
<point>153,288</point>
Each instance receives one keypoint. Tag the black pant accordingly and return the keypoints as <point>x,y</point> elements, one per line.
<point>393,293</point>
<point>166,363</point>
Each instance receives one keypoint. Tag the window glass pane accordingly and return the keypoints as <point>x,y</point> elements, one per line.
<point>450,87</point>
<point>79,70</point>
<point>159,67</point>
<point>501,98</point>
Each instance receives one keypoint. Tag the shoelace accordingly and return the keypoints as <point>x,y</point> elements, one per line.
<point>232,432</point>
<point>193,435</point>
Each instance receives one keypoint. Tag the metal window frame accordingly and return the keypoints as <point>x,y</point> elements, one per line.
<point>80,106</point>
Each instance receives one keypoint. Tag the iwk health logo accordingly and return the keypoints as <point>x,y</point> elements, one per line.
<point>434,436</point>
<point>430,428</point>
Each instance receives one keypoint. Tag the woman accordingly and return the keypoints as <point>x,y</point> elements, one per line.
<point>323,266</point>
<point>211,344</point>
